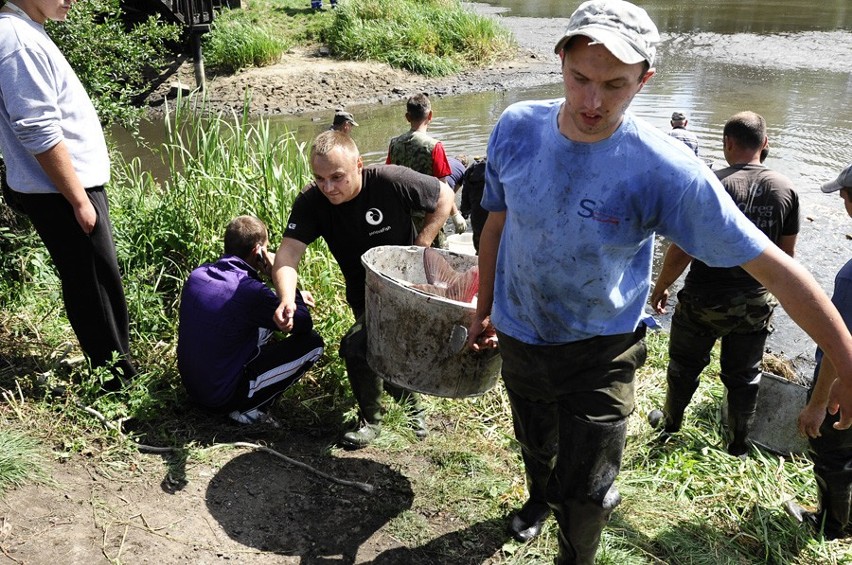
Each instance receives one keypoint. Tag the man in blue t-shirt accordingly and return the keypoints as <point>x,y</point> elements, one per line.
<point>831,448</point>
<point>564,292</point>
<point>228,358</point>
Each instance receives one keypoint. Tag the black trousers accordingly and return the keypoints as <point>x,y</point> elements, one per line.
<point>277,366</point>
<point>569,408</point>
<point>88,270</point>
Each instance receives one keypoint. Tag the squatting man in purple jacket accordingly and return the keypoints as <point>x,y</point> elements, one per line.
<point>228,357</point>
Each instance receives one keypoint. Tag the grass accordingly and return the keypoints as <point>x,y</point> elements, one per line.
<point>430,37</point>
<point>685,500</point>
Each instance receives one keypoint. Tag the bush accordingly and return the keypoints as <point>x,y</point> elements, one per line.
<point>113,63</point>
<point>235,43</point>
<point>430,37</point>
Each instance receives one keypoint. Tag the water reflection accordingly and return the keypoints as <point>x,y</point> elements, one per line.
<point>718,16</point>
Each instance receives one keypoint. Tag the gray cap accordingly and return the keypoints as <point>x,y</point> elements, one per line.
<point>843,180</point>
<point>623,28</point>
<point>342,117</point>
<point>678,117</point>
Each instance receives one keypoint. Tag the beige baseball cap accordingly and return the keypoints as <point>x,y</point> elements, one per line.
<point>623,28</point>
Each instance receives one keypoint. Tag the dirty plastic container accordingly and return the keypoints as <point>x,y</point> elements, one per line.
<point>418,340</point>
<point>778,405</point>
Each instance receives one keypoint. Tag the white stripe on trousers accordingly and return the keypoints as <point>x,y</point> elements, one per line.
<point>282,372</point>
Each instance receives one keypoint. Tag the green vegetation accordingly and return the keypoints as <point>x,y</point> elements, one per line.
<point>114,64</point>
<point>429,37</point>
<point>20,460</point>
<point>235,42</point>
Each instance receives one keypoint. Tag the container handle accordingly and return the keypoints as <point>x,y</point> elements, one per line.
<point>457,341</point>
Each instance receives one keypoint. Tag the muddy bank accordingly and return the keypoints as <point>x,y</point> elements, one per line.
<point>307,79</point>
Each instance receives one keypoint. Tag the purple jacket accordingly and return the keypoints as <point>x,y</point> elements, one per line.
<point>223,306</point>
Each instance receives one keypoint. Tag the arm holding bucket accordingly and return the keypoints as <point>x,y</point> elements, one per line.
<point>481,334</point>
<point>812,416</point>
<point>434,221</point>
<point>284,277</point>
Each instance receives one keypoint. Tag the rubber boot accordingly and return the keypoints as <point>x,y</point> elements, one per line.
<point>835,500</point>
<point>536,428</point>
<point>742,405</point>
<point>739,426</point>
<point>367,391</point>
<point>316,4</point>
<point>366,386</point>
<point>589,460</point>
<point>526,524</point>
<point>681,385</point>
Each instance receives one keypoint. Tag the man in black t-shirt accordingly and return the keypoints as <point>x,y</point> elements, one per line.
<point>354,209</point>
<point>727,303</point>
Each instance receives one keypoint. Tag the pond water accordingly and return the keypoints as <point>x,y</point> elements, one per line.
<point>788,60</point>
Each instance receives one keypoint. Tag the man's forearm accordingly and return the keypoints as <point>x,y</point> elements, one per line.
<point>825,378</point>
<point>57,165</point>
<point>674,264</point>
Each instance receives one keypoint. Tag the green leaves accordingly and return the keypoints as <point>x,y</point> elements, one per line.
<point>114,64</point>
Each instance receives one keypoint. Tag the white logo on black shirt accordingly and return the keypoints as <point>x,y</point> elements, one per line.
<point>374,216</point>
<point>291,226</point>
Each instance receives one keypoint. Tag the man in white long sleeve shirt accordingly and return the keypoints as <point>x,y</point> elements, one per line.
<point>57,165</point>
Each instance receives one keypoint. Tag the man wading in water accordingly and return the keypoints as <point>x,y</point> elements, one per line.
<point>566,290</point>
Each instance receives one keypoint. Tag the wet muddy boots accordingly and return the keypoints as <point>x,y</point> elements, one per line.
<point>583,498</point>
<point>367,388</point>
<point>741,412</point>
<point>835,502</point>
<point>742,404</point>
<point>526,524</point>
<point>679,390</point>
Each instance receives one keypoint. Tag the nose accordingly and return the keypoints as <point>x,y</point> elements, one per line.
<point>325,186</point>
<point>592,97</point>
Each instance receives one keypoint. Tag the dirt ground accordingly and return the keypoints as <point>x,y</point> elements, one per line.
<point>241,505</point>
<point>247,506</point>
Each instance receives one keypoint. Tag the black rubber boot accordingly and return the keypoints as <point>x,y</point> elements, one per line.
<point>366,386</point>
<point>592,458</point>
<point>742,405</point>
<point>536,429</point>
<point>527,522</point>
<point>835,501</point>
<point>681,385</point>
<point>739,426</point>
<point>363,436</point>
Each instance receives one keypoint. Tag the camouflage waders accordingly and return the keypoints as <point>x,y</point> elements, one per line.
<point>742,321</point>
